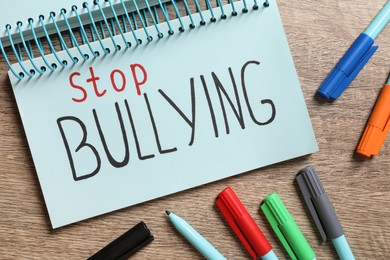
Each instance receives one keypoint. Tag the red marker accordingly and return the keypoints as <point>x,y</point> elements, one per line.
<point>244,226</point>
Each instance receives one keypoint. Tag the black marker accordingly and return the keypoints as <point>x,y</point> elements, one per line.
<point>125,245</point>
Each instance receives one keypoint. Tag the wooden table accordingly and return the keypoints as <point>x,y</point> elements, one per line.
<point>319,32</point>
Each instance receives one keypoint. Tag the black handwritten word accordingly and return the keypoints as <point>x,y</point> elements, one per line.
<point>114,76</point>
<point>223,97</point>
<point>223,93</point>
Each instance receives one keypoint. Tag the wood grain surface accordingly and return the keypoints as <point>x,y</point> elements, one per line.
<point>319,32</point>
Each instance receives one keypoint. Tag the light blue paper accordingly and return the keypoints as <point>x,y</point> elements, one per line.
<point>170,64</point>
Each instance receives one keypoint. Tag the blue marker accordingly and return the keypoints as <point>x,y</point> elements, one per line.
<point>355,58</point>
<point>199,242</point>
<point>322,212</point>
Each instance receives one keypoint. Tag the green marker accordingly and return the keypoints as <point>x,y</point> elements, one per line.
<point>286,229</point>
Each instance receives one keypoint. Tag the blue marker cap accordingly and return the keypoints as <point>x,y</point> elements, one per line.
<point>348,67</point>
<point>355,58</point>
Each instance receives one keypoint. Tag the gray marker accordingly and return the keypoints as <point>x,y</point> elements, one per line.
<point>322,211</point>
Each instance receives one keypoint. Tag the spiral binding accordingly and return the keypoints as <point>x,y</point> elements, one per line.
<point>106,28</point>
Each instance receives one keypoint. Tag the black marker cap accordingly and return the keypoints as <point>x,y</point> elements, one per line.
<point>319,204</point>
<point>125,245</point>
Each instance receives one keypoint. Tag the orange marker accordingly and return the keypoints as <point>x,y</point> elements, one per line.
<point>378,125</point>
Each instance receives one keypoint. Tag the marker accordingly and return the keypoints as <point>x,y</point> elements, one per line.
<point>355,58</point>
<point>286,229</point>
<point>244,226</point>
<point>125,245</point>
<point>322,211</point>
<point>378,125</point>
<point>199,242</point>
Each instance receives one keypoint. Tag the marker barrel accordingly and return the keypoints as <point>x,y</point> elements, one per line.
<point>199,242</point>
<point>379,22</point>
<point>342,248</point>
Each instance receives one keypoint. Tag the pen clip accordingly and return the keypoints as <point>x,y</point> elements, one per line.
<point>227,213</point>
<point>359,66</point>
<point>285,228</point>
<point>275,226</point>
<point>348,67</point>
<point>387,126</point>
<point>306,179</point>
<point>378,126</point>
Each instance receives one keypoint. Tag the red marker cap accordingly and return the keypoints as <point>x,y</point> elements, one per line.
<point>242,224</point>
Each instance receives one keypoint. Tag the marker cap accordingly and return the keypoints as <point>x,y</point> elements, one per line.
<point>377,127</point>
<point>242,224</point>
<point>286,229</point>
<point>319,204</point>
<point>125,245</point>
<point>348,67</point>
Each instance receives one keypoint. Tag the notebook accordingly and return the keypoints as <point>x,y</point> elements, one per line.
<point>216,95</point>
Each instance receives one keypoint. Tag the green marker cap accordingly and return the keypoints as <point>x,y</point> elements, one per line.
<point>286,229</point>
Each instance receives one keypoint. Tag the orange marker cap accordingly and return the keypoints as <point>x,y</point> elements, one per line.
<point>377,127</point>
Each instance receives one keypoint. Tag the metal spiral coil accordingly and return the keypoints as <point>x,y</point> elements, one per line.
<point>131,26</point>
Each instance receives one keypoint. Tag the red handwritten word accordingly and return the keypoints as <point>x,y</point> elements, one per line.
<point>118,81</point>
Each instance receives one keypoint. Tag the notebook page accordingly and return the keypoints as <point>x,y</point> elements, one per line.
<point>165,116</point>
